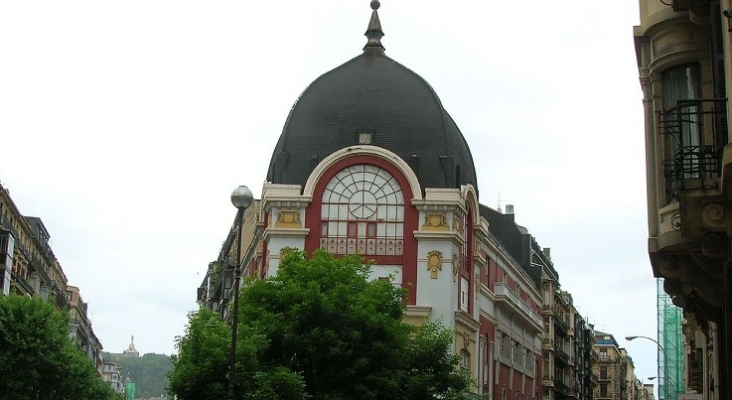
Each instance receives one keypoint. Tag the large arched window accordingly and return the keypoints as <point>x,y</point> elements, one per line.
<point>362,212</point>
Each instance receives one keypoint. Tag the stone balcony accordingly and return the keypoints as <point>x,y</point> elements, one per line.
<point>509,299</point>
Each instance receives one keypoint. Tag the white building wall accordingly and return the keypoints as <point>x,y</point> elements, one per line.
<point>276,244</point>
<point>441,293</point>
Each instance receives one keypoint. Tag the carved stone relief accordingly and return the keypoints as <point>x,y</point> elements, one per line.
<point>435,222</point>
<point>288,219</point>
<point>434,263</point>
<point>454,267</point>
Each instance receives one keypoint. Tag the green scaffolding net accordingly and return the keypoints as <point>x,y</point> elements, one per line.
<point>671,350</point>
<point>130,391</point>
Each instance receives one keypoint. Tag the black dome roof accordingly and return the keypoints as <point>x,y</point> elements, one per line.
<point>373,93</point>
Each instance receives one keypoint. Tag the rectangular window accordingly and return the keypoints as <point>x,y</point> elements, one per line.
<point>371,230</point>
<point>352,229</point>
<point>680,123</point>
<point>464,294</point>
<point>529,361</point>
<point>323,229</point>
<point>364,137</point>
<point>504,346</point>
<point>4,241</point>
<point>517,359</point>
<point>464,360</point>
<point>603,390</point>
<point>603,371</point>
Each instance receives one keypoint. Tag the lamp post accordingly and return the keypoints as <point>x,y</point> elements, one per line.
<point>241,198</point>
<point>658,369</point>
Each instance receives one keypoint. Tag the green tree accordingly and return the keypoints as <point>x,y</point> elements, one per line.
<point>149,372</point>
<point>38,360</point>
<point>321,329</point>
<point>200,370</point>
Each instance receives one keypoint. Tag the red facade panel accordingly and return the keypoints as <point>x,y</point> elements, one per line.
<point>408,259</point>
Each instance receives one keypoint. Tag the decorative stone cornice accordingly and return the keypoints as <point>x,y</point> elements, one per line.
<point>464,318</point>
<point>418,311</point>
<point>440,235</point>
<point>275,195</point>
<point>270,233</point>
<point>441,201</point>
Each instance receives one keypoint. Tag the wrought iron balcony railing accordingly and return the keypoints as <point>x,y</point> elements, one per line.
<point>561,386</point>
<point>560,325</point>
<point>695,132</point>
<point>561,355</point>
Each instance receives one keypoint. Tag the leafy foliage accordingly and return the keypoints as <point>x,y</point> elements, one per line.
<point>38,360</point>
<point>200,370</point>
<point>319,329</point>
<point>149,372</point>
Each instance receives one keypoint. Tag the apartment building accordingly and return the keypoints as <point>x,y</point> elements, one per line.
<point>370,163</point>
<point>394,181</point>
<point>584,357</point>
<point>80,327</point>
<point>684,58</point>
<point>614,369</point>
<point>112,373</point>
<point>29,267</point>
<point>215,289</point>
<point>27,263</point>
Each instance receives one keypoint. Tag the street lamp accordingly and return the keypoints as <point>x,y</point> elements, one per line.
<point>658,369</point>
<point>241,198</point>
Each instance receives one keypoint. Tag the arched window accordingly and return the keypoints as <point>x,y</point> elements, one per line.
<point>362,212</point>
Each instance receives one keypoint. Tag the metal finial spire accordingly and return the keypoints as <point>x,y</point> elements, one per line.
<point>374,32</point>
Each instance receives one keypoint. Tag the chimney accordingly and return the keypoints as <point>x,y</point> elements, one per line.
<point>509,208</point>
<point>547,252</point>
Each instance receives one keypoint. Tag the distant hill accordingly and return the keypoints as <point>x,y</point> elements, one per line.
<point>149,372</point>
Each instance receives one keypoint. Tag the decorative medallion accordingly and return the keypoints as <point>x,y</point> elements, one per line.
<point>455,224</point>
<point>288,219</point>
<point>434,263</point>
<point>435,222</point>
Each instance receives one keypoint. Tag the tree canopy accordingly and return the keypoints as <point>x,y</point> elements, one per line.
<point>38,360</point>
<point>149,372</point>
<point>319,329</point>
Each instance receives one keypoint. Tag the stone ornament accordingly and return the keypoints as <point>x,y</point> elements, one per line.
<point>434,263</point>
<point>466,340</point>
<point>288,219</point>
<point>435,222</point>
<point>713,217</point>
<point>454,267</point>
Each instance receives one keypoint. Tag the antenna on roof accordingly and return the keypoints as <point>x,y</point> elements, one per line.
<point>499,203</point>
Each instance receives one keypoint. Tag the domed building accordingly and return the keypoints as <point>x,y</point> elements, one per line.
<point>369,162</point>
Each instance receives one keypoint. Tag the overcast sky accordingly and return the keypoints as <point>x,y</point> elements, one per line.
<point>126,125</point>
